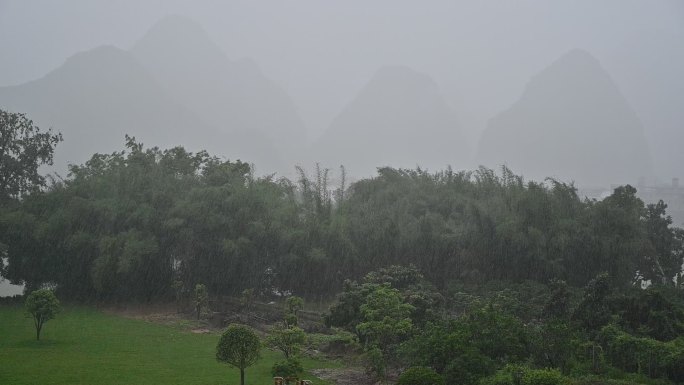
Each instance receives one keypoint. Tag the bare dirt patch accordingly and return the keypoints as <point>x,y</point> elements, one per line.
<point>163,314</point>
<point>344,376</point>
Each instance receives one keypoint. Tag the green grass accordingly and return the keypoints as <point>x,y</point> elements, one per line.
<point>85,346</point>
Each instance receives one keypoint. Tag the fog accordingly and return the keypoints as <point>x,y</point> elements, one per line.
<point>282,83</point>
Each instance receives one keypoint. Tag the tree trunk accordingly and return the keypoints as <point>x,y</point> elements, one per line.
<point>242,376</point>
<point>38,333</point>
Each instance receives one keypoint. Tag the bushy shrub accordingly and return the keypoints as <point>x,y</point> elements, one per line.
<point>499,378</point>
<point>521,375</point>
<point>418,375</point>
<point>642,355</point>
<point>375,363</point>
<point>543,377</point>
<point>288,369</point>
<point>629,380</point>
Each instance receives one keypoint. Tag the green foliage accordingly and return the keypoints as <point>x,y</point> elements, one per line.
<point>345,312</point>
<point>376,363</point>
<point>594,311</point>
<point>657,312</point>
<point>23,149</point>
<point>380,317</point>
<point>470,347</point>
<point>178,292</point>
<point>201,299</point>
<point>144,223</point>
<point>247,298</point>
<point>289,369</point>
<point>664,249</point>
<point>287,339</point>
<point>130,223</point>
<point>522,375</point>
<point>291,319</point>
<point>239,346</point>
<point>418,375</point>
<point>42,306</point>
<point>554,344</point>
<point>644,355</point>
<point>386,318</point>
<point>543,377</point>
<point>497,335</point>
<point>294,304</point>
<point>424,301</point>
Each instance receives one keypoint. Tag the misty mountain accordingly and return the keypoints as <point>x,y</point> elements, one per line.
<point>573,123</point>
<point>400,119</point>
<point>233,96</point>
<point>648,67</point>
<point>98,96</point>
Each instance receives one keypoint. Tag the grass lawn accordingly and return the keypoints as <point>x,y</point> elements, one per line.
<point>85,346</point>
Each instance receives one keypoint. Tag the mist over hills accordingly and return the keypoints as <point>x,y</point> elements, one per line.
<point>233,96</point>
<point>572,123</point>
<point>96,98</point>
<point>648,67</point>
<point>398,119</point>
<point>175,87</point>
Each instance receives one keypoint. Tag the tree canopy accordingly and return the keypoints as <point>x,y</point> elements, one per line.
<point>42,306</point>
<point>137,223</point>
<point>239,347</point>
<point>23,149</point>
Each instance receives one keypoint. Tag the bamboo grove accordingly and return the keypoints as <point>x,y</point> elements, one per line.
<point>128,225</point>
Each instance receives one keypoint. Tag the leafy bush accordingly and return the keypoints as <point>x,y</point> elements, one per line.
<point>375,363</point>
<point>629,380</point>
<point>521,375</point>
<point>543,377</point>
<point>286,339</point>
<point>418,375</point>
<point>644,355</point>
<point>288,369</point>
<point>42,306</point>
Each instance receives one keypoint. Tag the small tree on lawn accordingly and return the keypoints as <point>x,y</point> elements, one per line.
<point>201,299</point>
<point>42,305</point>
<point>286,339</point>
<point>239,347</point>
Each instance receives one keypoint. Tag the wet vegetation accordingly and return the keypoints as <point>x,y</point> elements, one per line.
<point>450,277</point>
<point>128,225</point>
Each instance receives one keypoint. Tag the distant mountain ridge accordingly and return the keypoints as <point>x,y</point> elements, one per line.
<point>573,123</point>
<point>398,119</point>
<point>175,87</point>
<point>234,96</point>
<point>98,96</point>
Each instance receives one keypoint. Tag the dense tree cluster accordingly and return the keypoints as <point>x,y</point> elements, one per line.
<point>462,277</point>
<point>147,223</point>
<point>525,333</point>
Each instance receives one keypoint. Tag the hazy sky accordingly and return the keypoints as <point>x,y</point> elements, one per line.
<point>480,53</point>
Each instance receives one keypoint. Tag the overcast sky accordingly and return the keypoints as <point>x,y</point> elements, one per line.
<point>480,53</point>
